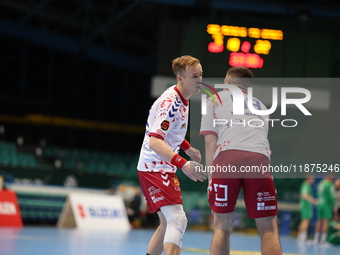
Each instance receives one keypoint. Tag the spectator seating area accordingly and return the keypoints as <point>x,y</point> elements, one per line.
<point>91,161</point>
<point>40,208</point>
<point>72,159</point>
<point>10,156</point>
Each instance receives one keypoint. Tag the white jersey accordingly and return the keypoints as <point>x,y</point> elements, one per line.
<point>246,132</point>
<point>168,119</point>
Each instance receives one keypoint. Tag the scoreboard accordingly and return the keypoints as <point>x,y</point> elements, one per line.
<point>234,39</point>
<point>271,47</point>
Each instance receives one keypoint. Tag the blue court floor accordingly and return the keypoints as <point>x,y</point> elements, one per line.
<point>54,241</point>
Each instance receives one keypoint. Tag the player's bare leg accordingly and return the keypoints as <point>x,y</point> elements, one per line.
<point>303,229</point>
<point>324,230</point>
<point>270,239</point>
<point>317,231</point>
<point>171,249</point>
<point>223,226</point>
<point>156,243</point>
<point>303,225</point>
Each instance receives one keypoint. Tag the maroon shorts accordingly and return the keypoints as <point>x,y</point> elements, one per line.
<point>160,189</point>
<point>259,190</point>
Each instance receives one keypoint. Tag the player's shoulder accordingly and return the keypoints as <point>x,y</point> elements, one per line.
<point>168,97</point>
<point>169,93</point>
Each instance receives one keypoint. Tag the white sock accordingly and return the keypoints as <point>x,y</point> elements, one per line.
<point>316,237</point>
<point>323,237</point>
<point>302,236</point>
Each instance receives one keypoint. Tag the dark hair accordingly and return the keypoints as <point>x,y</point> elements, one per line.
<point>240,75</point>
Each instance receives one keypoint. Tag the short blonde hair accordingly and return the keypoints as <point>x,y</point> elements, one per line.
<point>182,64</point>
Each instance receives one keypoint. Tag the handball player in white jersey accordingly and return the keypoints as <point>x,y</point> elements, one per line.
<point>166,127</point>
<point>239,141</point>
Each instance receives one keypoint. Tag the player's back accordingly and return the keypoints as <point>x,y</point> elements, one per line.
<point>244,132</point>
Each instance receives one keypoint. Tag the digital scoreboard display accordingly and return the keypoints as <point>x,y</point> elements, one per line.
<point>236,40</point>
<point>270,47</point>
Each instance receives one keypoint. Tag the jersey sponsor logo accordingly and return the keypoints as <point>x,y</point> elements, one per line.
<point>221,204</point>
<point>176,181</point>
<point>152,191</point>
<point>271,198</point>
<point>151,188</point>
<point>221,192</point>
<point>155,200</point>
<point>160,132</point>
<point>7,208</point>
<point>260,206</point>
<point>265,196</point>
<point>165,125</point>
<point>263,207</point>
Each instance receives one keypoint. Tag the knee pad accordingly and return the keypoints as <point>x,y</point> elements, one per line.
<point>176,224</point>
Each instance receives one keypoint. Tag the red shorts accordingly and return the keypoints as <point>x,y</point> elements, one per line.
<point>160,189</point>
<point>259,190</point>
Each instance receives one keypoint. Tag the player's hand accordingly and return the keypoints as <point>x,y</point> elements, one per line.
<point>194,171</point>
<point>194,154</point>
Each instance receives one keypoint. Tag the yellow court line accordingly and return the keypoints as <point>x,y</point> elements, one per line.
<point>205,251</point>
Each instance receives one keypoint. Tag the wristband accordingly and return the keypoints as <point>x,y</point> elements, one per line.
<point>178,161</point>
<point>185,145</point>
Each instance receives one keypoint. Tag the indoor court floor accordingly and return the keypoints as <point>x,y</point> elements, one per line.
<point>54,241</point>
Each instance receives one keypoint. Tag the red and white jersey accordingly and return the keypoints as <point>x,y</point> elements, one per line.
<point>246,132</point>
<point>168,119</point>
